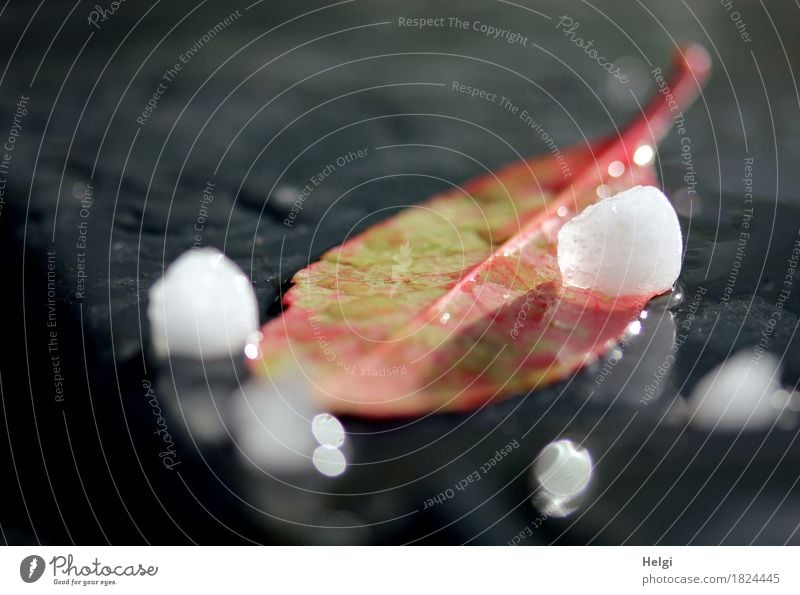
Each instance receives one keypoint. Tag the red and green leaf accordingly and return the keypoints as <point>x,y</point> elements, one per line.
<point>459,301</point>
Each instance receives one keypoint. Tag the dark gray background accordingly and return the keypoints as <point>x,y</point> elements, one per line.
<point>263,102</point>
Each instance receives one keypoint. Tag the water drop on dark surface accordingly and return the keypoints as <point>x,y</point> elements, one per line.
<point>670,300</point>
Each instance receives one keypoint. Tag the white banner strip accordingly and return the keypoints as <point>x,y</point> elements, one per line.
<point>356,570</point>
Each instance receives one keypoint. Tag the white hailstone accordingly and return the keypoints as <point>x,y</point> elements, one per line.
<point>329,461</point>
<point>271,424</point>
<point>563,468</point>
<point>561,475</point>
<point>328,430</point>
<point>627,244</point>
<point>737,394</point>
<point>204,305</point>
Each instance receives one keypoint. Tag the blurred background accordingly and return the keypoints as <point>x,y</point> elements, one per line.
<point>108,148</point>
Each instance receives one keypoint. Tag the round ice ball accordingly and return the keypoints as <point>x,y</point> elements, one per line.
<point>627,244</point>
<point>563,468</point>
<point>737,393</point>
<point>204,305</point>
<point>271,423</point>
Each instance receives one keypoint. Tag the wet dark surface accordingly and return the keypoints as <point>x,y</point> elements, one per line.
<point>262,107</point>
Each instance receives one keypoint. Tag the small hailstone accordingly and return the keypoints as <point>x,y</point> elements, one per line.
<point>738,394</point>
<point>563,468</point>
<point>627,244</point>
<point>561,474</point>
<point>204,305</point>
<point>329,461</point>
<point>271,423</point>
<point>327,430</point>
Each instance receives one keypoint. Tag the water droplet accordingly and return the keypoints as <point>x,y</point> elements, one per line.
<point>603,191</point>
<point>251,348</point>
<point>676,297</point>
<point>285,196</point>
<point>670,300</point>
<point>643,155</point>
<point>616,169</point>
<point>79,190</point>
<point>634,328</point>
<point>445,317</point>
<point>562,211</point>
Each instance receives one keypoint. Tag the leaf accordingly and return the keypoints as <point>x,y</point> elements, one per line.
<point>448,306</point>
